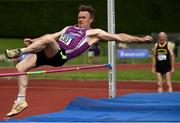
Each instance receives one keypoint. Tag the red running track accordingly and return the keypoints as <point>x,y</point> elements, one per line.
<point>45,96</point>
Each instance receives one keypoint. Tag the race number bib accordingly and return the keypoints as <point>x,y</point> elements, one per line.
<point>161,57</point>
<point>66,38</point>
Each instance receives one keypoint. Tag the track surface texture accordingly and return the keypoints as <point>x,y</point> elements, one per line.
<point>45,96</point>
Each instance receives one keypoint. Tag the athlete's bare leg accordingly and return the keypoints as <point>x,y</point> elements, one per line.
<point>168,80</point>
<point>160,82</point>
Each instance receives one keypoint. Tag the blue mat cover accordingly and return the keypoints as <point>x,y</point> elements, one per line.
<point>137,107</point>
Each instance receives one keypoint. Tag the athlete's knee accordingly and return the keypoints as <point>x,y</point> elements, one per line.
<point>21,68</point>
<point>27,42</point>
<point>48,38</point>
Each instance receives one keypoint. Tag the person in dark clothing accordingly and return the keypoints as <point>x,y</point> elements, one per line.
<point>163,61</point>
<point>94,53</point>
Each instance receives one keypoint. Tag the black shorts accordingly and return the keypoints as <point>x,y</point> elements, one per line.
<point>55,61</point>
<point>163,69</point>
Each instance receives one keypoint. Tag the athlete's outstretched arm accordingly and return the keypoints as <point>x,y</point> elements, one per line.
<point>154,58</point>
<point>172,58</point>
<point>101,34</point>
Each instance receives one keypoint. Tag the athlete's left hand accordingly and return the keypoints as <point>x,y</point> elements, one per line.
<point>147,39</point>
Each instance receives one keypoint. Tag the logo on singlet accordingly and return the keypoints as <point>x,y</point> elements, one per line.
<point>161,57</point>
<point>66,38</point>
<point>161,54</point>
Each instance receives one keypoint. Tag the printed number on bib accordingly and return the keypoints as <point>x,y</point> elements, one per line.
<point>66,38</point>
<point>161,57</point>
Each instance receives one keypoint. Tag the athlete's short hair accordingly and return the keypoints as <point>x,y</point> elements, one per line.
<point>88,8</point>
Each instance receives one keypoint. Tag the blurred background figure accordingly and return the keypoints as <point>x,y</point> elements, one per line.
<point>122,45</point>
<point>94,54</point>
<point>176,47</point>
<point>163,61</point>
<point>3,58</point>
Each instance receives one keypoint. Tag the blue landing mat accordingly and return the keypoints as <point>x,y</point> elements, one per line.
<point>137,107</point>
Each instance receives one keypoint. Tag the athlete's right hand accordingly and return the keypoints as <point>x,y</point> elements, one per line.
<point>27,42</point>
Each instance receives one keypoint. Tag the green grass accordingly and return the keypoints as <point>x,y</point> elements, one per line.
<point>121,75</point>
<point>10,43</point>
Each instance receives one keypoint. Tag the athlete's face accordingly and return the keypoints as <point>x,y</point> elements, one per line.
<point>162,38</point>
<point>84,19</point>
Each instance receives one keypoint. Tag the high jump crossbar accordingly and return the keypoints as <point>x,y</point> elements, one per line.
<point>56,70</point>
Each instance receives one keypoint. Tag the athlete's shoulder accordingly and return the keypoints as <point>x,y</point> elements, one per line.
<point>170,45</point>
<point>68,27</point>
<point>65,29</point>
<point>92,32</point>
<point>155,45</point>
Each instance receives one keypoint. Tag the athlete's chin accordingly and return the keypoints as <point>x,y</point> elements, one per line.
<point>82,26</point>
